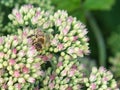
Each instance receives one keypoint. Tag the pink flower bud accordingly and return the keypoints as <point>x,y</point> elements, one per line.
<point>45,58</point>
<point>40,73</point>
<point>51,86</point>
<point>71,72</point>
<point>102,69</point>
<point>4,86</point>
<point>25,69</point>
<point>93,86</point>
<point>21,80</point>
<point>64,72</point>
<point>52,77</point>
<point>1,54</point>
<point>74,67</point>
<point>31,80</point>
<point>80,52</point>
<point>59,64</point>
<point>54,42</point>
<point>37,65</point>
<point>50,56</point>
<point>16,74</point>
<point>60,46</point>
<point>24,34</point>
<point>14,50</point>
<point>28,6</point>
<point>104,79</point>
<point>70,19</point>
<point>58,22</point>
<point>15,38</point>
<point>86,52</point>
<point>69,88</point>
<point>65,31</point>
<point>70,50</point>
<point>12,62</point>
<point>31,51</point>
<point>18,17</point>
<point>18,86</point>
<point>36,17</point>
<point>1,40</point>
<point>36,88</point>
<point>75,38</point>
<point>21,53</point>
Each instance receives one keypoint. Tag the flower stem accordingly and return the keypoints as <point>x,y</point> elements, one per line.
<point>99,38</point>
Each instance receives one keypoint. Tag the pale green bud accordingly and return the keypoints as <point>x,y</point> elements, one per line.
<point>62,54</point>
<point>1,65</point>
<point>55,50</point>
<point>16,66</point>
<point>5,63</point>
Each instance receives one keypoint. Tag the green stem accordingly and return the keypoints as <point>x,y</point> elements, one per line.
<point>99,38</point>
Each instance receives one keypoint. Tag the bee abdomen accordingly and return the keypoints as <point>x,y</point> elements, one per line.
<point>38,46</point>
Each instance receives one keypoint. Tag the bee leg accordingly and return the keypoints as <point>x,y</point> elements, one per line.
<point>30,36</point>
<point>38,46</point>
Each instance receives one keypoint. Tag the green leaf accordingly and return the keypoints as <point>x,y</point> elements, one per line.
<point>98,4</point>
<point>66,4</point>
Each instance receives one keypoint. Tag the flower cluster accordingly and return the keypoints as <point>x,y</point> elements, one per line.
<point>63,75</point>
<point>69,36</point>
<point>30,16</point>
<point>20,64</point>
<point>7,5</point>
<point>100,79</point>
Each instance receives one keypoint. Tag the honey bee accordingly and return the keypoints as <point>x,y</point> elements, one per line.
<point>40,40</point>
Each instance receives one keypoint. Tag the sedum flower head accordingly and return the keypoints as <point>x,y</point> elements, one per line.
<point>20,64</point>
<point>69,36</point>
<point>7,5</point>
<point>100,79</point>
<point>63,75</point>
<point>30,16</point>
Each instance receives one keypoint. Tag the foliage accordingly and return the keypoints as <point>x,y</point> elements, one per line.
<point>113,41</point>
<point>115,61</point>
<point>98,5</point>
